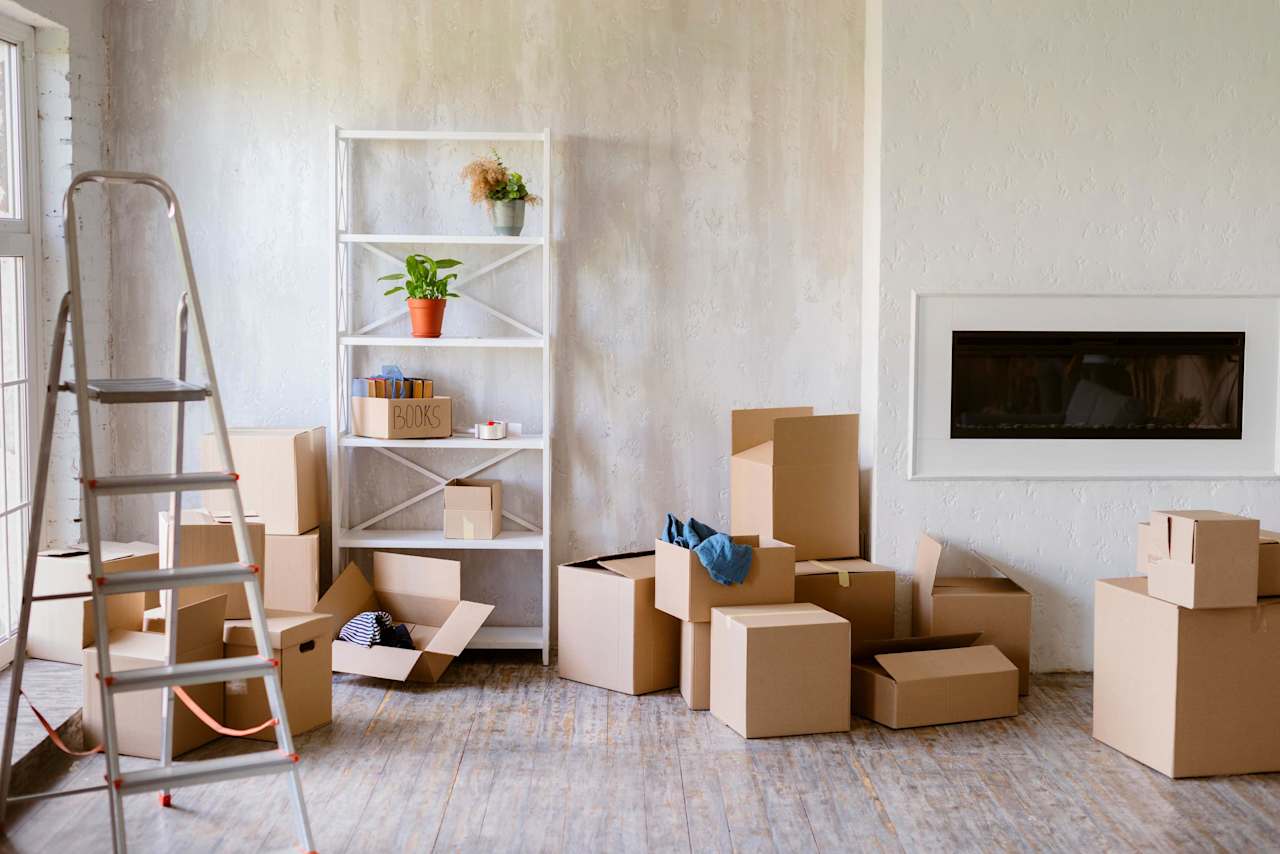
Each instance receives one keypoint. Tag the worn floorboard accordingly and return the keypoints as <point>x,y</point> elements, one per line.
<point>504,756</point>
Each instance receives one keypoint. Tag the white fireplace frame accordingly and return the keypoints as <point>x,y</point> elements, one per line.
<point>934,455</point>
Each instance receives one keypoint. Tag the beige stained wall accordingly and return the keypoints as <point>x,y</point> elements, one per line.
<point>706,226</point>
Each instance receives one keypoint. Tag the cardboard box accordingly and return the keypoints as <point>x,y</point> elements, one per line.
<point>282,476</point>
<point>996,607</point>
<point>301,643</point>
<point>1204,558</point>
<point>932,680</point>
<point>472,509</point>
<point>423,593</point>
<point>138,712</point>
<point>780,670</point>
<point>402,418</point>
<point>1149,552</point>
<point>610,633</point>
<point>60,630</point>
<point>204,541</point>
<point>1188,692</point>
<point>857,590</point>
<point>294,581</point>
<point>687,592</point>
<point>793,477</point>
<point>695,664</point>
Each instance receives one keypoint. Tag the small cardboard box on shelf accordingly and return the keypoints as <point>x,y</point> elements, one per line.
<point>472,509</point>
<point>610,633</point>
<point>402,418</point>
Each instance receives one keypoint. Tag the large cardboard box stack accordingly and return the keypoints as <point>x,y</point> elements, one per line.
<point>137,713</point>
<point>423,593</point>
<point>857,590</point>
<point>610,633</point>
<point>60,630</point>
<point>995,606</point>
<point>284,487</point>
<point>1203,558</point>
<point>793,477</point>
<point>685,591</point>
<point>780,669</point>
<point>1190,692</point>
<point>927,681</point>
<point>301,643</point>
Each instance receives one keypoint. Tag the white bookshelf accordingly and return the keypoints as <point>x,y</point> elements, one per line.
<point>347,450</point>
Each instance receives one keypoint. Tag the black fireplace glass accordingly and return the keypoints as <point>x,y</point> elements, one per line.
<point>1097,385</point>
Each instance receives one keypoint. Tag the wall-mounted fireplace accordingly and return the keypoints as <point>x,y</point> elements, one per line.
<point>1097,385</point>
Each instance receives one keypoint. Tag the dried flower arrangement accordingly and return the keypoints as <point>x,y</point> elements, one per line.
<point>491,182</point>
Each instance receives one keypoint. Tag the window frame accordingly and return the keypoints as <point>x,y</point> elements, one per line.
<point>20,238</point>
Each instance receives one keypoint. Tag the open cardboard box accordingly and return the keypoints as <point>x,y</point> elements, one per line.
<point>610,633</point>
<point>1204,558</point>
<point>402,418</point>
<point>282,476</point>
<point>686,591</point>
<point>927,681</point>
<point>1188,692</point>
<point>793,477</point>
<point>423,593</point>
<point>1150,550</point>
<point>995,606</point>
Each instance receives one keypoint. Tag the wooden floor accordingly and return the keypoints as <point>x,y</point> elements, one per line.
<point>504,756</point>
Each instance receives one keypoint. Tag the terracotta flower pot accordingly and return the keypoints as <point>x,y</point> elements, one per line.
<point>426,316</point>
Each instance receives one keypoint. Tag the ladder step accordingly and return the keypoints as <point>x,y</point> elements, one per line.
<point>132,484</point>
<point>56,793</point>
<point>191,673</point>
<point>141,390</point>
<point>205,771</point>
<point>143,580</point>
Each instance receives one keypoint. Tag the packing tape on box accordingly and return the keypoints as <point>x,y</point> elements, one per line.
<point>842,574</point>
<point>491,430</point>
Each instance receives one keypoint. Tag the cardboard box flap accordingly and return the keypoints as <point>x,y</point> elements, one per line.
<point>634,568</point>
<point>286,629</point>
<point>943,663</point>
<point>1268,537</point>
<point>928,556</point>
<point>960,585</point>
<point>471,494</point>
<point>385,662</point>
<point>109,551</point>
<point>460,628</point>
<point>200,623</point>
<point>816,440</point>
<point>415,575</point>
<point>350,594</point>
<point>867,650</point>
<point>752,427</point>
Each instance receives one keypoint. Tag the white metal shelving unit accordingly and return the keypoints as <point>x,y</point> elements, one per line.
<point>344,447</point>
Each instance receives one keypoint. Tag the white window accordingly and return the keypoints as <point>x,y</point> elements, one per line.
<point>19,260</point>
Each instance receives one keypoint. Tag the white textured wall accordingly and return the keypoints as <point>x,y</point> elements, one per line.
<point>1087,146</point>
<point>707,217</point>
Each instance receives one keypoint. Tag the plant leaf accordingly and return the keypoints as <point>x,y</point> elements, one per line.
<point>446,263</point>
<point>393,290</point>
<point>391,277</point>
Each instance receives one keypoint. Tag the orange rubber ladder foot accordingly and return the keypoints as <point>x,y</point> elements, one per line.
<point>166,800</point>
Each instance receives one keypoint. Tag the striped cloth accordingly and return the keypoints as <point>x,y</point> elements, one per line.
<point>367,629</point>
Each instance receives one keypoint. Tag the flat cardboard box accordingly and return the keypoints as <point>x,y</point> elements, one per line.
<point>60,630</point>
<point>472,509</point>
<point>402,418</point>
<point>1149,552</point>
<point>610,633</point>
<point>687,592</point>
<point>423,593</point>
<point>780,670</point>
<point>294,581</point>
<point>205,541</point>
<point>793,477</point>
<point>282,476</point>
<point>695,664</point>
<point>996,607</point>
<point>857,590</point>
<point>301,643</point>
<point>1188,692</point>
<point>1204,558</point>
<point>932,680</point>
<point>138,712</point>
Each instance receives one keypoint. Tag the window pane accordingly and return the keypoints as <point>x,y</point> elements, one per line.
<point>15,530</point>
<point>12,313</point>
<point>10,134</point>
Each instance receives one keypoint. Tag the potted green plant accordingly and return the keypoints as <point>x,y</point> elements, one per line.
<point>425,291</point>
<point>501,190</point>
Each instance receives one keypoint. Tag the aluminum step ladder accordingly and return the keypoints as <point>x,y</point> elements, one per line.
<point>178,391</point>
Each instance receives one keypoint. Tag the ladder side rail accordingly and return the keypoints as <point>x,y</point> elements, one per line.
<point>89,510</point>
<point>33,547</point>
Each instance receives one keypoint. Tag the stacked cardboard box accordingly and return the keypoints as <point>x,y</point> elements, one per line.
<point>1187,659</point>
